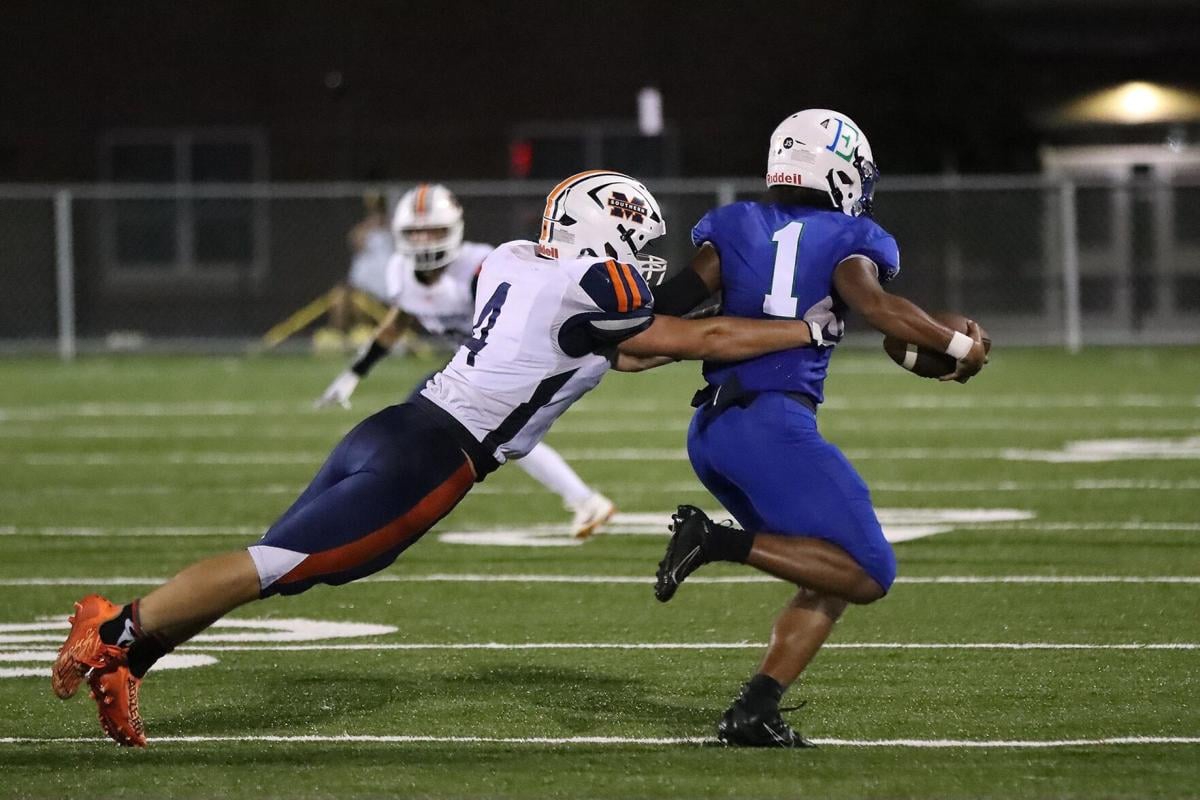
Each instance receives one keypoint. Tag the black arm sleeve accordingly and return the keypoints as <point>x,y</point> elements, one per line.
<point>681,294</point>
<point>368,358</point>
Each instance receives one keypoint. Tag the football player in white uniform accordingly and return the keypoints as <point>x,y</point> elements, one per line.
<point>431,282</point>
<point>370,241</point>
<point>551,318</point>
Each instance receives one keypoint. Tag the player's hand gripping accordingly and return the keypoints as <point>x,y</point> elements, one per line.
<point>339,391</point>
<point>973,362</point>
<point>817,331</point>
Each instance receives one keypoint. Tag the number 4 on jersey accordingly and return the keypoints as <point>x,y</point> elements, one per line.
<point>781,302</point>
<point>487,319</point>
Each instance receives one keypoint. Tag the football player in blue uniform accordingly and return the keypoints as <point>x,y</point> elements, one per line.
<point>808,251</point>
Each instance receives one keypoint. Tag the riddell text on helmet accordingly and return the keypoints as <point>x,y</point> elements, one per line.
<point>788,178</point>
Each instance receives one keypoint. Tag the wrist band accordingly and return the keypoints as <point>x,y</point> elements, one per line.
<point>372,354</point>
<point>960,346</point>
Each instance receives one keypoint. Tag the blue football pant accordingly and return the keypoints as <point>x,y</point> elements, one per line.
<point>770,467</point>
<point>384,485</point>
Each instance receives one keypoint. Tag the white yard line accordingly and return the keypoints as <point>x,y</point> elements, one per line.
<point>248,431</point>
<point>214,458</point>
<point>27,639</point>
<point>346,738</point>
<point>643,580</point>
<point>703,646</point>
<point>165,489</point>
<point>318,428</point>
<point>1050,527</point>
<point>170,409</point>
<point>224,458</point>
<point>944,401</point>
<point>643,489</point>
<point>219,458</point>
<point>167,531</point>
<point>766,579</point>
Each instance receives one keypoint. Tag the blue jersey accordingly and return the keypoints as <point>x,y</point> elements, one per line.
<point>777,262</point>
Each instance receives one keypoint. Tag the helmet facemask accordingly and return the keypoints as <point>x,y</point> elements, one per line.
<point>430,247</point>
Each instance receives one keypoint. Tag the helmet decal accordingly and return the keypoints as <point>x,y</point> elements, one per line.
<point>845,139</point>
<point>627,208</point>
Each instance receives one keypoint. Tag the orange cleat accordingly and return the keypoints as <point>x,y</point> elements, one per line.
<point>83,649</point>
<point>115,691</point>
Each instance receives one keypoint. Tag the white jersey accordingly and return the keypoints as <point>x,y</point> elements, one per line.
<point>368,270</point>
<point>443,307</point>
<point>540,325</point>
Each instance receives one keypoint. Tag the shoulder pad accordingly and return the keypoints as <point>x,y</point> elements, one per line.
<point>616,287</point>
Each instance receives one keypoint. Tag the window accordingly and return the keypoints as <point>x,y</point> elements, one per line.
<point>169,217</point>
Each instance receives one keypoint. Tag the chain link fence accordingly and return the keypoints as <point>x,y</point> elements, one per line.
<point>213,267</point>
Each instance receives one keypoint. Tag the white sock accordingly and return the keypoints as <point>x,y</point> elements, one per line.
<point>547,467</point>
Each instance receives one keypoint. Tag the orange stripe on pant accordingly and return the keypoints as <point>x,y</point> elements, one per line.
<point>414,522</point>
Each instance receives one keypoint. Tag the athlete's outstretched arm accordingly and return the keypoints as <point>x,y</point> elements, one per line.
<point>694,284</point>
<point>386,336</point>
<point>856,280</point>
<point>391,327</point>
<point>623,362</point>
<point>716,338</point>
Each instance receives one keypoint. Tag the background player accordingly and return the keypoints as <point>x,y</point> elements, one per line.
<point>430,284</point>
<point>551,319</point>
<point>370,242</point>
<point>808,251</point>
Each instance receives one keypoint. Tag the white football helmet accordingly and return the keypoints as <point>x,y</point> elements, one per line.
<point>824,150</point>
<point>428,225</point>
<point>603,214</point>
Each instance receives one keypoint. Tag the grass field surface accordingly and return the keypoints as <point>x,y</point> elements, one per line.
<point>1043,638</point>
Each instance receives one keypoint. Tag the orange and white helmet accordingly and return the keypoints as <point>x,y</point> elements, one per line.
<point>428,225</point>
<point>603,214</point>
<point>826,151</point>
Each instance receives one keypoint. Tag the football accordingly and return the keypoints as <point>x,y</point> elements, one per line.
<point>930,363</point>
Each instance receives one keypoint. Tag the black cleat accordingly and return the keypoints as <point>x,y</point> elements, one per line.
<point>741,727</point>
<point>685,551</point>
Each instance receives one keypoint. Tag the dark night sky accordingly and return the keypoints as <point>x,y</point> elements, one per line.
<point>434,88</point>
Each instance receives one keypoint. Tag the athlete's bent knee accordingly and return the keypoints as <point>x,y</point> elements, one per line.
<point>866,591</point>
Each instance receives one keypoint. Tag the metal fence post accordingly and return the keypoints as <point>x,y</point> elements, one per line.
<point>1072,323</point>
<point>726,193</point>
<point>64,237</point>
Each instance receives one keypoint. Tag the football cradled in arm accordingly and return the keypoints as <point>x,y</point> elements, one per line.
<point>856,280</point>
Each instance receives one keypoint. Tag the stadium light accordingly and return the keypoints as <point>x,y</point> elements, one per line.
<point>1140,101</point>
<point>1133,103</point>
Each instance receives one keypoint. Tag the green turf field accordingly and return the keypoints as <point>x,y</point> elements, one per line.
<point>1043,639</point>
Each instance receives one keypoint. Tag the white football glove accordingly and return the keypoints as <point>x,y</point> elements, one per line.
<point>818,335</point>
<point>339,391</point>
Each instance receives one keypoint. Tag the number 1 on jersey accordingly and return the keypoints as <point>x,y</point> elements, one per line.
<point>487,318</point>
<point>781,302</point>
